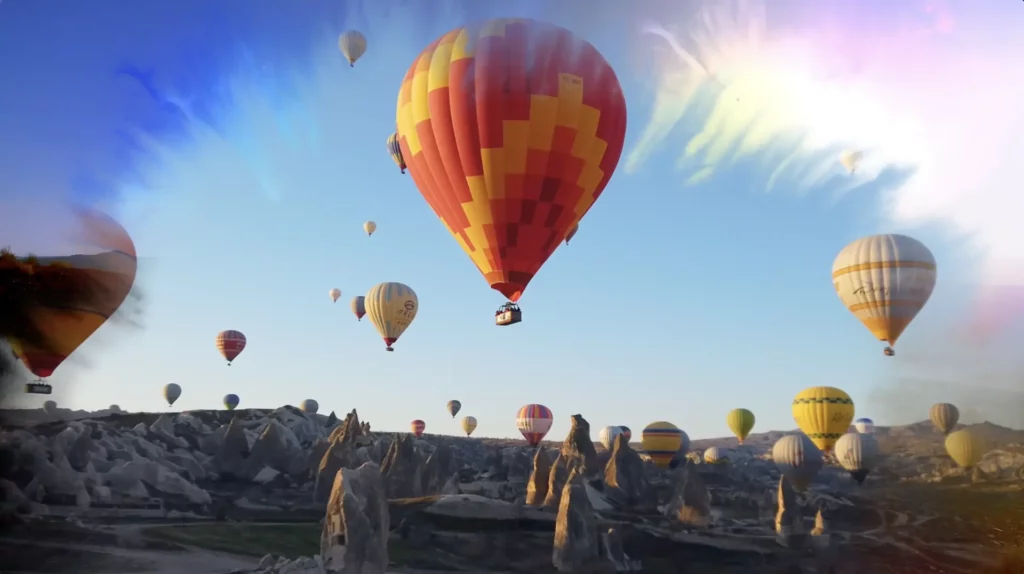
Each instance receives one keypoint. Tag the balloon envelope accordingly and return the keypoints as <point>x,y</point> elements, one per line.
<point>741,422</point>
<point>823,414</point>
<point>608,434</point>
<point>715,455</point>
<point>534,421</point>
<point>101,281</point>
<point>396,151</point>
<point>627,432</point>
<point>334,294</point>
<point>391,308</point>
<point>309,406</point>
<point>884,280</point>
<point>454,407</point>
<point>798,458</point>
<point>358,306</point>
<point>230,344</point>
<point>369,227</point>
<point>661,441</point>
<point>171,393</point>
<point>352,45</point>
<point>49,407</point>
<point>857,454</point>
<point>965,448</point>
<point>468,425</point>
<point>417,427</point>
<point>508,154</point>
<point>231,401</point>
<point>864,426</point>
<point>944,416</point>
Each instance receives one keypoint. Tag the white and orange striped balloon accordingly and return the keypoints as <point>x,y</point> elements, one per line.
<point>884,280</point>
<point>534,421</point>
<point>230,343</point>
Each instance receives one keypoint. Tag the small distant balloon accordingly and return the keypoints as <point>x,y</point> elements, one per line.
<point>741,422</point>
<point>334,294</point>
<point>395,149</point>
<point>857,453</point>
<point>309,406</point>
<point>171,392</point>
<point>534,421</point>
<point>850,159</point>
<point>661,442</point>
<point>417,427</point>
<point>864,426</point>
<point>965,448</point>
<point>231,401</point>
<point>352,45</point>
<point>230,344</point>
<point>359,307</point>
<point>454,407</point>
<point>392,308</point>
<point>944,416</point>
<point>608,435</point>
<point>369,227</point>
<point>627,432</point>
<point>715,455</point>
<point>50,407</point>
<point>468,425</point>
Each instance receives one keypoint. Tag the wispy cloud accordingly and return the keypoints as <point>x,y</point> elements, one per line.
<point>933,89</point>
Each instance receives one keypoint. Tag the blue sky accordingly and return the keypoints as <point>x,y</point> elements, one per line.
<point>243,156</point>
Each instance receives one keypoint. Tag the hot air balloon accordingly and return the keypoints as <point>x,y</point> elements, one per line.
<point>396,151</point>
<point>715,455</point>
<point>171,392</point>
<point>49,407</point>
<point>100,283</point>
<point>798,458</point>
<point>741,422</point>
<point>352,45</point>
<point>230,344</point>
<point>391,307</point>
<point>510,155</point>
<point>114,408</point>
<point>334,294</point>
<point>572,233</point>
<point>369,227</point>
<point>309,406</point>
<point>824,414</point>
<point>359,307</point>
<point>944,416</point>
<point>534,421</point>
<point>857,454</point>
<point>661,441</point>
<point>850,159</point>
<point>230,401</point>
<point>468,425</point>
<point>607,436</point>
<point>884,280</point>
<point>417,427</point>
<point>454,407</point>
<point>965,448</point>
<point>864,426</point>
<point>627,432</point>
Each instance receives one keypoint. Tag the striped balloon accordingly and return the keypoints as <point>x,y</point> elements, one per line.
<point>396,151</point>
<point>661,442</point>
<point>230,344</point>
<point>417,427</point>
<point>534,421</point>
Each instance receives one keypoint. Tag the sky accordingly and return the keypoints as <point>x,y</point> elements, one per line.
<point>243,155</point>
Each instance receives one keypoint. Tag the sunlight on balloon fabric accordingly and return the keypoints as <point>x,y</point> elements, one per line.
<point>549,130</point>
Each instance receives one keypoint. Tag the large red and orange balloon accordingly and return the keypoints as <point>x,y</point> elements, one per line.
<point>511,131</point>
<point>108,275</point>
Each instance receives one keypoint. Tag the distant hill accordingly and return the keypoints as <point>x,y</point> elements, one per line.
<point>111,261</point>
<point>918,438</point>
